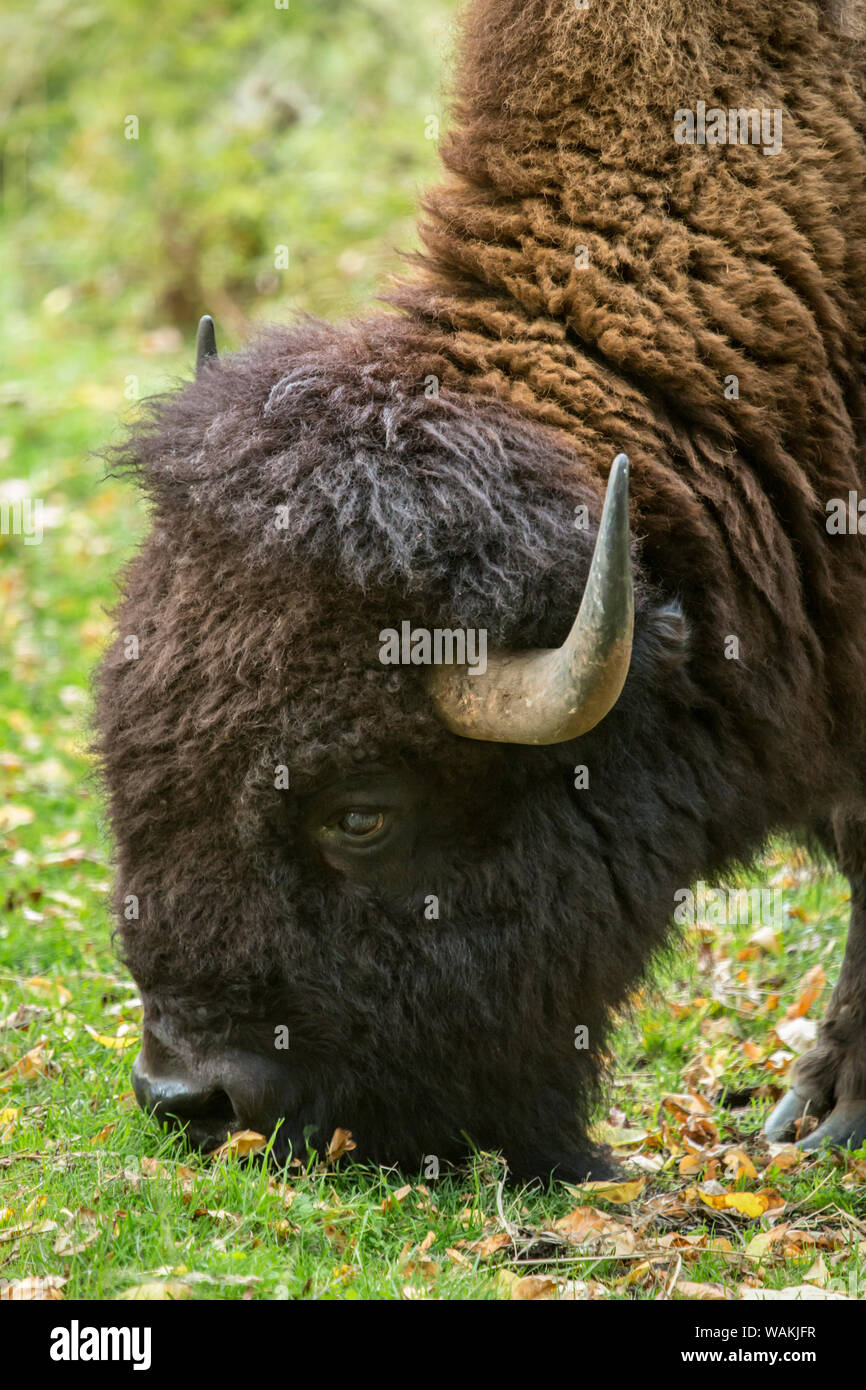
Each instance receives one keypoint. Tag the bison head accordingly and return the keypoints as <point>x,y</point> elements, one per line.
<point>393,898</point>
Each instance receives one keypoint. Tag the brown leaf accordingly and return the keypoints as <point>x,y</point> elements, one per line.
<point>586,1223</point>
<point>703,1293</point>
<point>103,1134</point>
<point>532,1286</point>
<point>341,1142</point>
<point>785,1156</point>
<point>699,1133</point>
<point>691,1103</point>
<point>813,986</point>
<point>690,1164</point>
<point>239,1145</point>
<point>739,1165</point>
<point>488,1245</point>
<point>618,1192</point>
<point>34,1063</point>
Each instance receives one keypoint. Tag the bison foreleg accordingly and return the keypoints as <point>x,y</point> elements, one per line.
<point>830,1081</point>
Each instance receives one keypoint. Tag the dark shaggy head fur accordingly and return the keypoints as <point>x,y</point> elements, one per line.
<point>331,482</point>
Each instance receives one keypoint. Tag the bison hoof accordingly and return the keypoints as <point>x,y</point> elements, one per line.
<point>844,1127</point>
<point>781,1124</point>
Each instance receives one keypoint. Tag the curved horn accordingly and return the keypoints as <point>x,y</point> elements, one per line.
<point>205,342</point>
<point>548,696</point>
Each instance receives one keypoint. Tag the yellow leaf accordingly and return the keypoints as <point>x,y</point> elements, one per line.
<point>750,1204</point>
<point>619,1138</point>
<point>761,1244</point>
<point>635,1274</point>
<point>109,1040</point>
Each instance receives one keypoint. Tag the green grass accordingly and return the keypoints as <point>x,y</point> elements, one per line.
<point>74,1151</point>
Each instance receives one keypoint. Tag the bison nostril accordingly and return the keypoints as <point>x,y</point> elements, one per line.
<point>181,1099</point>
<point>194,1105</point>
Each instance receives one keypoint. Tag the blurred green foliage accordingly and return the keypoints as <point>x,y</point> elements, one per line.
<point>157,155</point>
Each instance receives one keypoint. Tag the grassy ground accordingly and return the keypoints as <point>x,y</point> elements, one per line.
<point>91,1196</point>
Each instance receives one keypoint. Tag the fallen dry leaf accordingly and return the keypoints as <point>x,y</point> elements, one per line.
<point>586,1223</point>
<point>762,1243</point>
<point>34,1288</point>
<point>40,985</point>
<point>617,1192</point>
<point>703,1293</point>
<point>156,1291</point>
<point>109,1040</point>
<point>690,1164</point>
<point>239,1145</point>
<point>785,1156</point>
<point>341,1142</point>
<point>103,1134</point>
<point>739,1165</point>
<point>818,1274</point>
<point>34,1063</point>
<point>813,986</point>
<point>489,1245</point>
<point>691,1103</point>
<point>27,1228</point>
<point>748,1204</point>
<point>532,1286</point>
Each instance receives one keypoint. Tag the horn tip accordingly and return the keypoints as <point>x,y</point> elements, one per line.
<point>205,341</point>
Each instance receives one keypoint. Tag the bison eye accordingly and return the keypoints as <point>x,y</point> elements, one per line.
<point>361,825</point>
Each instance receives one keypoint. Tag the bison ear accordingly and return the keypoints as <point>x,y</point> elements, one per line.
<point>846,17</point>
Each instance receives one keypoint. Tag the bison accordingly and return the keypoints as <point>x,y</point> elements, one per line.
<point>422,710</point>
